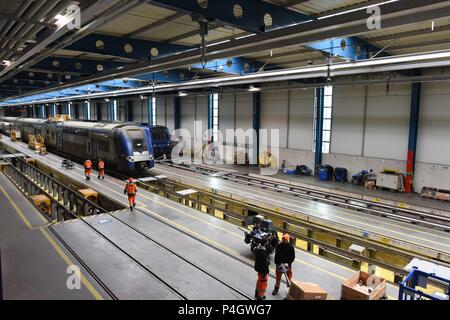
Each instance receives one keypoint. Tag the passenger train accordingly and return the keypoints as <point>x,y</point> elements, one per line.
<point>123,146</point>
<point>162,143</point>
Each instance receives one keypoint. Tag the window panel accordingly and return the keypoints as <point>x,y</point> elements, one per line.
<point>326,136</point>
<point>327,118</point>
<point>328,101</point>
<point>326,147</point>
<point>327,124</point>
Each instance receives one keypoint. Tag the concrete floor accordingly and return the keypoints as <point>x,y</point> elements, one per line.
<point>393,231</point>
<point>208,240</point>
<point>34,263</point>
<point>412,198</point>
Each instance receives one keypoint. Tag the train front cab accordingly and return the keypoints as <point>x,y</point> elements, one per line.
<point>161,142</point>
<point>134,149</point>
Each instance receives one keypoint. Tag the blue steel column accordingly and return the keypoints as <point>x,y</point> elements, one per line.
<point>112,112</point>
<point>257,119</point>
<point>150,111</point>
<point>413,130</point>
<point>86,114</point>
<point>319,126</point>
<point>176,112</point>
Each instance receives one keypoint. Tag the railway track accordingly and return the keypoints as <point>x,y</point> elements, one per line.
<point>182,259</point>
<point>434,221</point>
<point>230,215</point>
<point>132,259</point>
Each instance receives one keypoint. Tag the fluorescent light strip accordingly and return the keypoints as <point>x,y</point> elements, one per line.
<point>357,9</point>
<point>292,73</point>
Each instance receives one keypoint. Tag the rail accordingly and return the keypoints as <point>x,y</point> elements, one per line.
<point>434,221</point>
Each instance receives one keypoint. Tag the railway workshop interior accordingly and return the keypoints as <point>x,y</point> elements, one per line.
<point>228,150</point>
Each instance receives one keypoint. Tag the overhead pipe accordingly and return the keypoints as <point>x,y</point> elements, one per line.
<point>27,29</point>
<point>28,15</point>
<point>90,14</point>
<point>49,17</point>
<point>354,23</point>
<point>25,5</point>
<point>385,64</point>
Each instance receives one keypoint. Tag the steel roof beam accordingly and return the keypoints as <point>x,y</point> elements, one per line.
<point>221,13</point>
<point>155,25</point>
<point>142,51</point>
<point>252,13</point>
<point>354,23</point>
<point>117,46</point>
<point>80,66</point>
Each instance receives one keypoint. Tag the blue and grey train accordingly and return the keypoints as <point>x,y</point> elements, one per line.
<point>161,140</point>
<point>122,146</point>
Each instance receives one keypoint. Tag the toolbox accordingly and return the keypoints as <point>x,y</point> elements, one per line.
<point>325,172</point>
<point>290,171</point>
<point>340,175</point>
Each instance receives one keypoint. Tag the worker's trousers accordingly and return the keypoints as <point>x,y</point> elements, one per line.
<point>87,172</point>
<point>279,274</point>
<point>132,199</point>
<point>101,173</point>
<point>261,284</point>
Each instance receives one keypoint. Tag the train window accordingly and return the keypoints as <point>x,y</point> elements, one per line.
<point>138,140</point>
<point>160,133</point>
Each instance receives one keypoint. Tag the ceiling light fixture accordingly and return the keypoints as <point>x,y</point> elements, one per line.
<point>252,88</point>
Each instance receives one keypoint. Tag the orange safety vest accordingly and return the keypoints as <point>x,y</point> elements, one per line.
<point>88,164</point>
<point>131,189</point>
<point>101,165</point>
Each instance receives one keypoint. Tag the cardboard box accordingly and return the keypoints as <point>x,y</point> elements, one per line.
<point>306,291</point>
<point>363,286</point>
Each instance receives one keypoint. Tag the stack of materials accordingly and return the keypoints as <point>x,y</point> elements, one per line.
<point>433,193</point>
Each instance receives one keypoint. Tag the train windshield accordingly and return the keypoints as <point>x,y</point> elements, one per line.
<point>138,140</point>
<point>160,134</point>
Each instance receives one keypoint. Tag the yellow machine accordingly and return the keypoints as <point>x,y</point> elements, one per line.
<point>43,203</point>
<point>36,142</point>
<point>266,159</point>
<point>89,194</point>
<point>43,150</point>
<point>60,118</point>
<point>15,135</point>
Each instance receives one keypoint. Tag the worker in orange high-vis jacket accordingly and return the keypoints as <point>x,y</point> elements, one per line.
<point>131,190</point>
<point>262,263</point>
<point>101,169</point>
<point>87,169</point>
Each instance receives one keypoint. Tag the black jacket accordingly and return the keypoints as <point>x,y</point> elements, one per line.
<point>261,260</point>
<point>284,253</point>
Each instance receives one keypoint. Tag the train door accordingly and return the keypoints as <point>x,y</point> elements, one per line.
<point>89,147</point>
<point>59,140</point>
<point>94,148</point>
